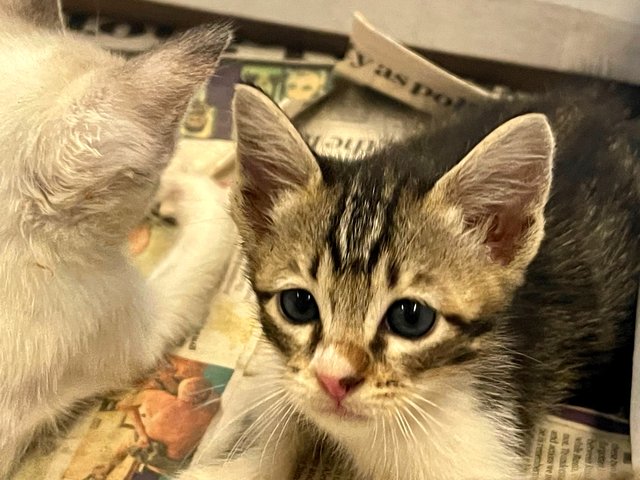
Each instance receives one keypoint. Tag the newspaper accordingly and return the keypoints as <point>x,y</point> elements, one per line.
<point>352,121</point>
<point>580,444</point>
<point>381,63</point>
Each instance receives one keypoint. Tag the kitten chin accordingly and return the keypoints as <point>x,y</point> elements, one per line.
<point>451,289</point>
<point>85,138</point>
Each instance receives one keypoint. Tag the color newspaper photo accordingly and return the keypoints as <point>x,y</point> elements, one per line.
<point>152,431</point>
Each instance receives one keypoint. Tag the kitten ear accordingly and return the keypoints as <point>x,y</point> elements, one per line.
<point>119,134</point>
<point>501,188</point>
<point>160,83</point>
<point>43,13</point>
<point>272,157</point>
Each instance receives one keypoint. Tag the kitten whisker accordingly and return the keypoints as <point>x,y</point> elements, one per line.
<point>396,449</point>
<point>375,431</point>
<point>384,441</point>
<point>404,408</point>
<point>524,355</point>
<point>266,444</point>
<point>209,402</point>
<point>427,401</point>
<point>208,389</point>
<point>421,424</point>
<point>423,413</point>
<point>283,429</point>
<point>396,415</point>
<point>405,429</point>
<point>403,425</point>
<point>241,416</point>
<point>273,410</point>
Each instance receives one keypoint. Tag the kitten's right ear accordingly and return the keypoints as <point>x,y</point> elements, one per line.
<point>501,187</point>
<point>272,158</point>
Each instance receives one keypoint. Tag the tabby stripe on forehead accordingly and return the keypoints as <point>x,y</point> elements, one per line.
<point>393,274</point>
<point>331,239</point>
<point>361,225</point>
<point>385,231</point>
<point>294,267</point>
<point>315,264</point>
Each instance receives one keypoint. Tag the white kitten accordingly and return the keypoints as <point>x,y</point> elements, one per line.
<point>84,137</point>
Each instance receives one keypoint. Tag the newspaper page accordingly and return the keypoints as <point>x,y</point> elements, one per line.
<point>575,443</point>
<point>353,121</point>
<point>382,64</point>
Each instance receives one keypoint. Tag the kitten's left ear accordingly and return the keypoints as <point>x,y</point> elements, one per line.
<point>119,133</point>
<point>501,187</point>
<point>272,158</point>
<point>160,83</point>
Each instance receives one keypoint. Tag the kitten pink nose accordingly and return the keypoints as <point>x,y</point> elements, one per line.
<point>338,388</point>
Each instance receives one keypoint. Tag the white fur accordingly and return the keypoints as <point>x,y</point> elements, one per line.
<point>331,362</point>
<point>436,441</point>
<point>77,170</point>
<point>457,439</point>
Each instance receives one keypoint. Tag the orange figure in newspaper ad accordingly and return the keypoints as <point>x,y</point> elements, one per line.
<point>169,427</point>
<point>152,431</point>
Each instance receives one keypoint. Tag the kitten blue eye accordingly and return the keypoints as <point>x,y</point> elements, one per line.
<point>299,306</point>
<point>410,319</point>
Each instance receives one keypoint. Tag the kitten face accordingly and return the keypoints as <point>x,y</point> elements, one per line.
<point>87,134</point>
<point>352,337</point>
<point>373,283</point>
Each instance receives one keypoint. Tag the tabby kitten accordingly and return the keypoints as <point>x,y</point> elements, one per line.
<point>422,308</point>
